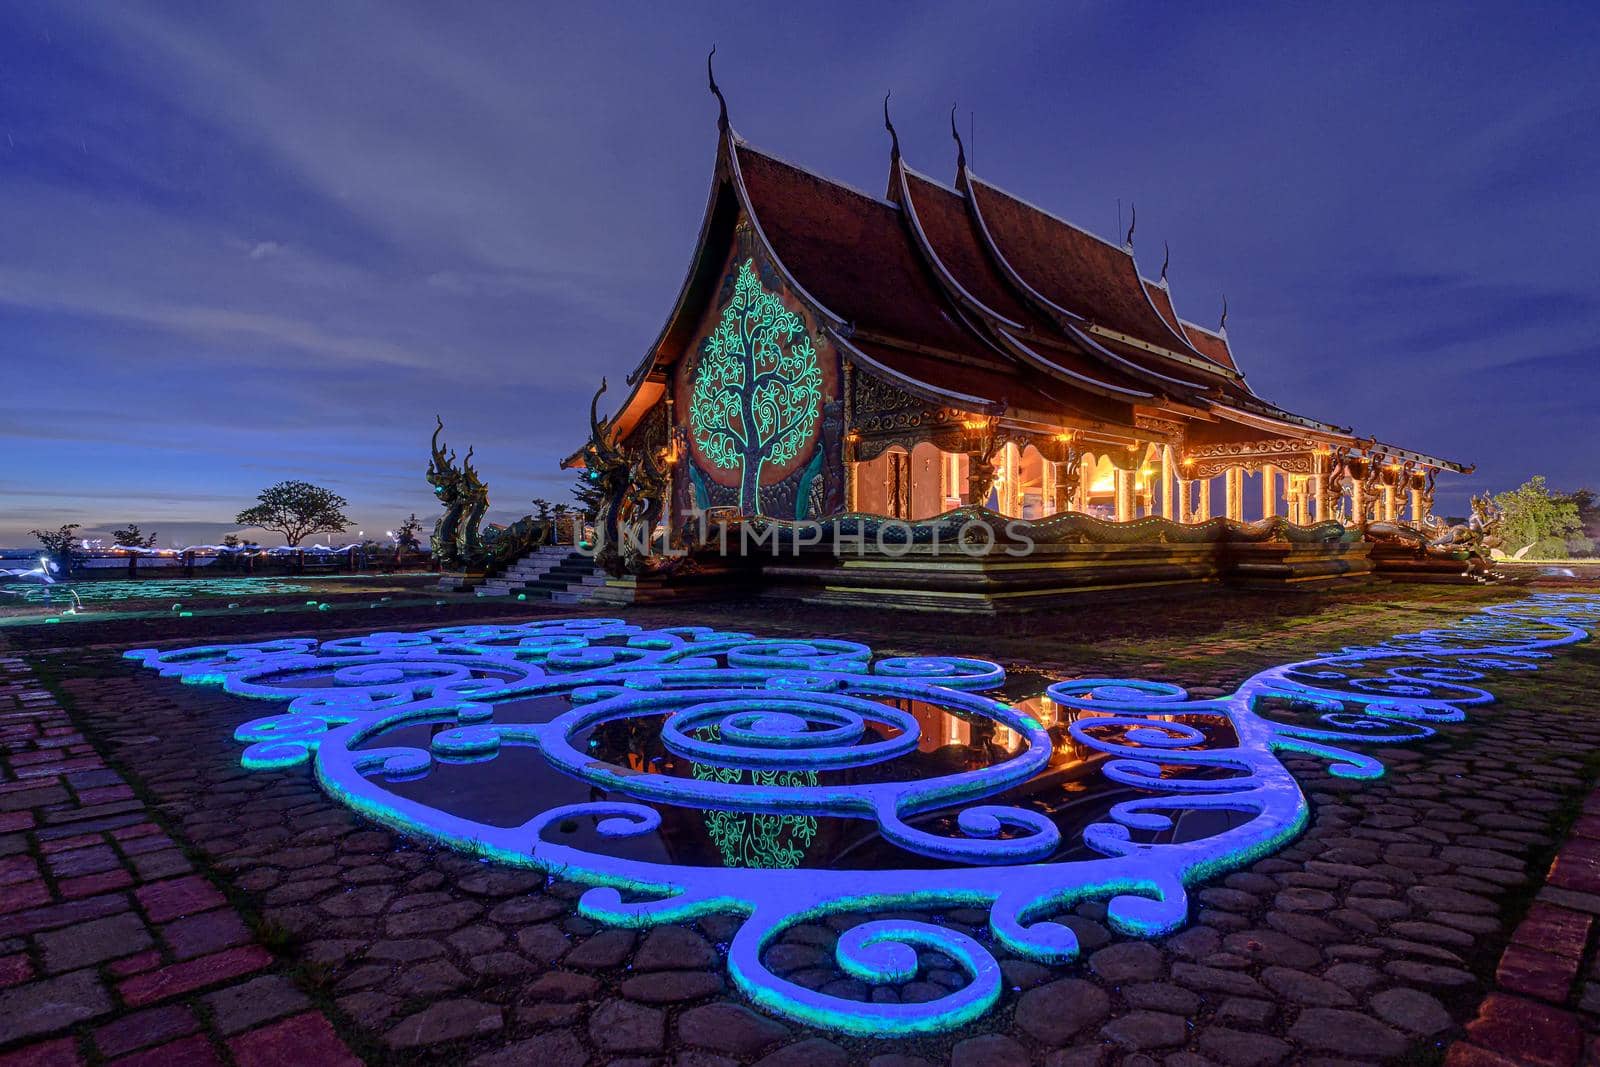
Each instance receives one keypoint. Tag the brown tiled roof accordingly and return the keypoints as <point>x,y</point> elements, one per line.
<point>1213,346</point>
<point>1162,299</point>
<point>945,233</point>
<point>943,216</point>
<point>1018,387</point>
<point>850,251</point>
<point>1073,269</point>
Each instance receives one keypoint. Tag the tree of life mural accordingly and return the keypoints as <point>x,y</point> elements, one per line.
<point>757,388</point>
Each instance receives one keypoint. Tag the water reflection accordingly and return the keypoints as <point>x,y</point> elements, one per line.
<point>518,783</point>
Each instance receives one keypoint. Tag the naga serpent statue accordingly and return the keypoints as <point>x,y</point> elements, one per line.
<point>457,542</point>
<point>632,484</point>
<point>1471,540</point>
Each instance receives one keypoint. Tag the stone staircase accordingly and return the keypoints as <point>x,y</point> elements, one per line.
<point>552,572</point>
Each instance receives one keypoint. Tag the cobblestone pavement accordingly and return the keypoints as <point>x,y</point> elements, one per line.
<point>1373,938</point>
<point>112,946</point>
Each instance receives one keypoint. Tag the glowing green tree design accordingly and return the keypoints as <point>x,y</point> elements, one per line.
<point>763,840</point>
<point>757,390</point>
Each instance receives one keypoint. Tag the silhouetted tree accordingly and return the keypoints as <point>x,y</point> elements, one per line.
<point>296,510</point>
<point>58,546</point>
<point>130,536</point>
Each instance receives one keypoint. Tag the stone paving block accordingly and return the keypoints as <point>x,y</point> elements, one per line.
<point>1550,928</point>
<point>1588,903</point>
<point>1536,974</point>
<point>165,901</point>
<point>61,1052</point>
<point>20,868</point>
<point>1058,1011</point>
<point>179,978</point>
<point>72,843</point>
<point>559,1048</point>
<point>49,1004</point>
<point>447,1020</point>
<point>95,859</point>
<point>989,1050</point>
<point>15,969</point>
<point>730,1028</point>
<point>197,935</point>
<point>1346,1033</point>
<point>1526,1031</point>
<point>623,1026</point>
<point>23,895</point>
<point>71,947</point>
<point>92,884</point>
<point>141,1029</point>
<point>163,864</point>
<point>251,1003</point>
<point>304,1039</point>
<point>140,846</point>
<point>195,1051</point>
<point>135,964</point>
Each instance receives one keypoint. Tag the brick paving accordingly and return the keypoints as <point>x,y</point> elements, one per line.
<point>113,949</point>
<point>1383,934</point>
<point>1542,1008</point>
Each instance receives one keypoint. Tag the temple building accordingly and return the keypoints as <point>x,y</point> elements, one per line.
<point>945,345</point>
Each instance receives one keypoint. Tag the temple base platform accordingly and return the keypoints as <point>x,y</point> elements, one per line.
<point>972,560</point>
<point>1400,563</point>
<point>1056,576</point>
<point>461,581</point>
<point>710,579</point>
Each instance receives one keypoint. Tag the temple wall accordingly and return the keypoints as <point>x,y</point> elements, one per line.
<point>757,352</point>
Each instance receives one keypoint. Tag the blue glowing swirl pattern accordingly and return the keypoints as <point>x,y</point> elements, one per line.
<point>780,711</point>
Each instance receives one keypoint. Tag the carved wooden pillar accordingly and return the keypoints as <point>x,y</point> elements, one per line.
<point>1358,502</point>
<point>1269,490</point>
<point>850,463</point>
<point>1203,508</point>
<point>1011,468</point>
<point>1419,508</point>
<point>1319,486</point>
<point>980,477</point>
<point>1167,473</point>
<point>1232,486</point>
<point>1085,482</point>
<point>1124,484</point>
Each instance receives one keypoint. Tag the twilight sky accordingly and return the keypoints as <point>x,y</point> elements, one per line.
<point>240,243</point>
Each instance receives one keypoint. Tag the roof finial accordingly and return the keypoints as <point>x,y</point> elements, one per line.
<point>894,137</point>
<point>1166,258</point>
<point>961,149</point>
<point>722,105</point>
<point>1222,327</point>
<point>1133,220</point>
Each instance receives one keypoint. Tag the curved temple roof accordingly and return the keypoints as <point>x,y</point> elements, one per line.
<point>971,296</point>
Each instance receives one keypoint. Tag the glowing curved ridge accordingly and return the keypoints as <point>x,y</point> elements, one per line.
<point>782,732</point>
